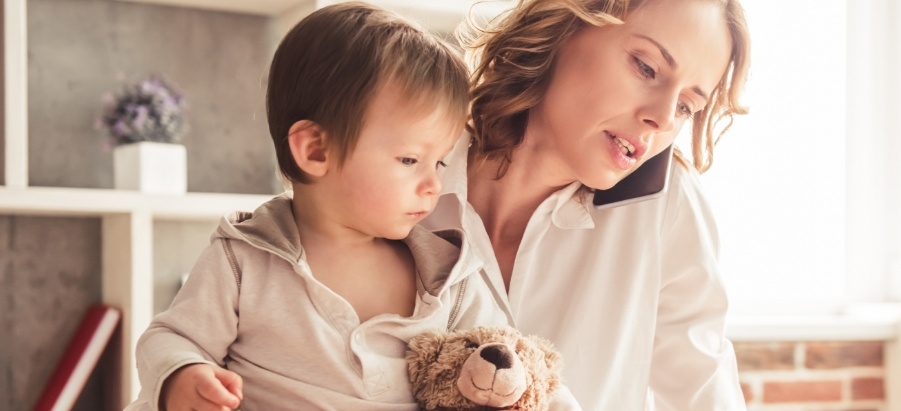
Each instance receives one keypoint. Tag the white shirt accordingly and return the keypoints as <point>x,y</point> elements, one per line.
<point>631,296</point>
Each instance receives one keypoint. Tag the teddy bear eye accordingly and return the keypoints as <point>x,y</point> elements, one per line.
<point>471,344</point>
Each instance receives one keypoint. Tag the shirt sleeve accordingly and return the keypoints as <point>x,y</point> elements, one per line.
<point>198,327</point>
<point>693,365</point>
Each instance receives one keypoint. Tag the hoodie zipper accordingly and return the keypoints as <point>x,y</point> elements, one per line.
<point>459,301</point>
<point>457,304</point>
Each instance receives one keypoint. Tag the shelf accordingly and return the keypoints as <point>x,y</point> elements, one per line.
<point>861,322</point>
<point>277,7</point>
<point>100,202</point>
<point>128,248</point>
<point>15,106</point>
<point>261,7</point>
<point>439,15</point>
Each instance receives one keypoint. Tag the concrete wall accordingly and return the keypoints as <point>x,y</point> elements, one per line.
<point>49,273</point>
<point>79,50</point>
<point>176,246</point>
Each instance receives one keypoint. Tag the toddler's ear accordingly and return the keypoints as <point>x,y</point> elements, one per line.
<point>308,147</point>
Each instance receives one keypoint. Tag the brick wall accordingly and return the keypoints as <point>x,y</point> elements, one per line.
<point>812,376</point>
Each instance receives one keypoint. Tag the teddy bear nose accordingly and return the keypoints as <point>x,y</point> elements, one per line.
<point>498,355</point>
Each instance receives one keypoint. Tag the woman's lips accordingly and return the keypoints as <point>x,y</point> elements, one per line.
<point>614,148</point>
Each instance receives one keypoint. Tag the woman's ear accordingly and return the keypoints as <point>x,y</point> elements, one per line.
<point>309,148</point>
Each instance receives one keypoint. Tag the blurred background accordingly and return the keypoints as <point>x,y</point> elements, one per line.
<point>806,188</point>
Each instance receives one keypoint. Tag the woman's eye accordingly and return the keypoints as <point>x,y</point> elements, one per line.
<point>407,161</point>
<point>684,110</point>
<point>440,164</point>
<point>646,70</point>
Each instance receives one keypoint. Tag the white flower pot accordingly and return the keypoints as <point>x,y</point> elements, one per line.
<point>157,168</point>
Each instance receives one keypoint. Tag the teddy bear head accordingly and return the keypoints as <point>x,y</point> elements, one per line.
<point>482,368</point>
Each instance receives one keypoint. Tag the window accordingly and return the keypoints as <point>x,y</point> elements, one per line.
<point>807,188</point>
<point>804,188</point>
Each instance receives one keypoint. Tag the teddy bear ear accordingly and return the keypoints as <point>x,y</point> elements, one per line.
<point>552,358</point>
<point>425,346</point>
<point>433,363</point>
<point>422,351</point>
<point>543,365</point>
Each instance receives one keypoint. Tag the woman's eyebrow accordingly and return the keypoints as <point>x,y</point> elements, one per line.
<point>672,62</point>
<point>666,56</point>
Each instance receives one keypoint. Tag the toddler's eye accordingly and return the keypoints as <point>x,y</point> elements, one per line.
<point>407,161</point>
<point>440,164</point>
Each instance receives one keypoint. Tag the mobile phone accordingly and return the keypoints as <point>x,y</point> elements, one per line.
<point>648,181</point>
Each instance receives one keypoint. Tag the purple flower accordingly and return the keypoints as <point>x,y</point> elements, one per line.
<point>146,111</point>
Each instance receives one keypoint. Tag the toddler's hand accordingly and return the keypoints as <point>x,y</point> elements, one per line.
<point>201,387</point>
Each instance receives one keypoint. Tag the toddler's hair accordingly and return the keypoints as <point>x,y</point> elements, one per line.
<point>329,66</point>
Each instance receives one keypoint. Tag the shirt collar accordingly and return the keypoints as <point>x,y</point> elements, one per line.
<point>570,209</point>
<point>454,175</point>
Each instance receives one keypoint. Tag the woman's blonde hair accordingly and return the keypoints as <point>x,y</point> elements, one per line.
<point>512,62</point>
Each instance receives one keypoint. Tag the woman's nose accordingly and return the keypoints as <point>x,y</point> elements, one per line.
<point>660,114</point>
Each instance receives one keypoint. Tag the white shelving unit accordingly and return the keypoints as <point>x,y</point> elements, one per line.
<point>127,242</point>
<point>128,217</point>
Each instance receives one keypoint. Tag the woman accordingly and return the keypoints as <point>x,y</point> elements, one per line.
<point>572,94</point>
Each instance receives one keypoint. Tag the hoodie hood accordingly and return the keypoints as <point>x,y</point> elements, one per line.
<point>271,227</point>
<point>442,258</point>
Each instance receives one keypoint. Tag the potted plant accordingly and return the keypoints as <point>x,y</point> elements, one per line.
<point>145,122</point>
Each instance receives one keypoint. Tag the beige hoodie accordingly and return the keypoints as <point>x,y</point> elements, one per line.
<point>296,343</point>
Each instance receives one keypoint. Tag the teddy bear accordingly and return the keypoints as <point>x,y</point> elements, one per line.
<point>485,368</point>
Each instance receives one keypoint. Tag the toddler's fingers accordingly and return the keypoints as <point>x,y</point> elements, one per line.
<point>232,382</point>
<point>215,392</point>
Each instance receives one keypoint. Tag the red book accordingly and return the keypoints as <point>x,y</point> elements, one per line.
<point>79,360</point>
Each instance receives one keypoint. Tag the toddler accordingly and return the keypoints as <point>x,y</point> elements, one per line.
<point>308,302</point>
